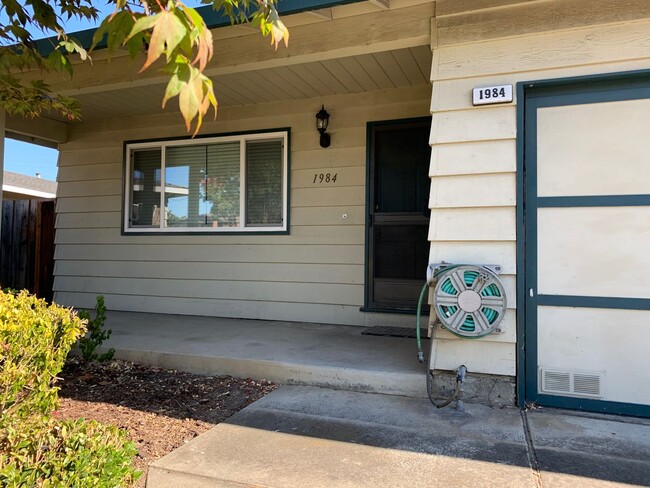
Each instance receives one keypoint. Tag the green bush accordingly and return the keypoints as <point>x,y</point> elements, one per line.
<point>36,449</point>
<point>34,342</point>
<point>71,453</point>
<point>96,334</point>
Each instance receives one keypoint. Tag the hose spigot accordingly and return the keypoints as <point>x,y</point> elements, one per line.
<point>460,374</point>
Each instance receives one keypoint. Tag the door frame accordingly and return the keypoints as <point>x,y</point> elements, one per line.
<point>557,92</point>
<point>370,191</point>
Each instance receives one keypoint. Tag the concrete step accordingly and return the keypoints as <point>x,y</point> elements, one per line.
<point>330,356</point>
<point>287,372</point>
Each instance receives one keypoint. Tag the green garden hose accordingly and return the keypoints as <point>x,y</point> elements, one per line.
<point>417,330</point>
<point>491,315</point>
<point>422,293</point>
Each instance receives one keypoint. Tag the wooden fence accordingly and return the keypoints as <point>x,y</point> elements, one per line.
<point>27,246</point>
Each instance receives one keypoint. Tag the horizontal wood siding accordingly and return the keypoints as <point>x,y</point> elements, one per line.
<point>315,274</point>
<point>473,163</point>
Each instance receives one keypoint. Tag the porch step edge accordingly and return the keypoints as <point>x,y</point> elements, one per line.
<point>361,380</point>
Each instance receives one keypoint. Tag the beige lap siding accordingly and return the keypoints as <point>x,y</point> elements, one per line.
<point>315,274</point>
<point>473,161</point>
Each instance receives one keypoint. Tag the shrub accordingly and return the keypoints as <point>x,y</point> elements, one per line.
<point>70,453</point>
<point>96,334</point>
<point>37,449</point>
<point>34,342</point>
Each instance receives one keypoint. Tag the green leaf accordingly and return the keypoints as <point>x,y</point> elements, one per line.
<point>100,33</point>
<point>59,62</point>
<point>168,30</point>
<point>116,28</point>
<point>190,97</point>
<point>135,45</point>
<point>142,24</point>
<point>173,88</point>
<point>194,17</point>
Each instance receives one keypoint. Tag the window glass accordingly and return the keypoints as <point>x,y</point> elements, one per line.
<point>145,189</point>
<point>184,201</point>
<point>264,183</point>
<point>222,186</point>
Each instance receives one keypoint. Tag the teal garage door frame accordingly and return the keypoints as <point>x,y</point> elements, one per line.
<point>530,97</point>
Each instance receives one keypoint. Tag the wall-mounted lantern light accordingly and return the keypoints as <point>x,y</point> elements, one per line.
<point>322,120</point>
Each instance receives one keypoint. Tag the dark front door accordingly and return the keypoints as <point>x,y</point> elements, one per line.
<point>398,213</point>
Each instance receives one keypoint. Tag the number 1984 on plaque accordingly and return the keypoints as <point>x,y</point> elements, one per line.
<point>492,94</point>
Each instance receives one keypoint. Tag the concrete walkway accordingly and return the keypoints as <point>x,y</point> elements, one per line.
<point>300,437</point>
<point>379,433</point>
<point>333,356</point>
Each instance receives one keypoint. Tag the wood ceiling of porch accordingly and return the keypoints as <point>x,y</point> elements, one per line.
<point>354,74</point>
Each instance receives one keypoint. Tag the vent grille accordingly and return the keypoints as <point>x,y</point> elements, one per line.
<point>571,383</point>
<point>586,384</point>
<point>555,381</point>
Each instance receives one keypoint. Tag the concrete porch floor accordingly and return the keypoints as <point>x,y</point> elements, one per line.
<point>332,356</point>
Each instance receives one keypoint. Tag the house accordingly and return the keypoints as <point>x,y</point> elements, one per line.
<point>257,220</point>
<point>17,186</point>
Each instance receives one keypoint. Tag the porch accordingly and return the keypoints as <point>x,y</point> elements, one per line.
<point>333,356</point>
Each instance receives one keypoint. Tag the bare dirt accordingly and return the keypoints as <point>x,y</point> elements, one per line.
<point>161,409</point>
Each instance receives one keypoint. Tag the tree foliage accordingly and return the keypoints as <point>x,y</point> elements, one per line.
<point>173,35</point>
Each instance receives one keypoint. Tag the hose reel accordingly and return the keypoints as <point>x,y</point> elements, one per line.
<point>468,300</point>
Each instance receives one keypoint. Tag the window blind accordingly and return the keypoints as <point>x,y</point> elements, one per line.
<point>222,184</point>
<point>264,183</point>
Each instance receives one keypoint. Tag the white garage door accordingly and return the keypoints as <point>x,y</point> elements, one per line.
<point>587,245</point>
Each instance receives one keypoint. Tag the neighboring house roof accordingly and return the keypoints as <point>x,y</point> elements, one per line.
<point>29,186</point>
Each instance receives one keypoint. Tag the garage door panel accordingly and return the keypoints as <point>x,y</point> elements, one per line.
<point>586,222</point>
<point>594,251</point>
<point>594,149</point>
<point>593,341</point>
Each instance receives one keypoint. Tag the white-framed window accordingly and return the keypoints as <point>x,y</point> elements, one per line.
<point>221,184</point>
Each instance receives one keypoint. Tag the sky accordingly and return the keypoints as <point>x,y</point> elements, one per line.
<point>29,159</point>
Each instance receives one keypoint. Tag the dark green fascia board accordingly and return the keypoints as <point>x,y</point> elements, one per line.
<point>213,18</point>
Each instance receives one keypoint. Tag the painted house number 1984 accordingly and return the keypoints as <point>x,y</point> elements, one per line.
<point>320,178</point>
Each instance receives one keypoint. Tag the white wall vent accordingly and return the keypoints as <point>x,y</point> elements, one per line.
<point>571,383</point>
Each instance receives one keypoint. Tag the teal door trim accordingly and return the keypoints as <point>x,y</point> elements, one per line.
<point>530,97</point>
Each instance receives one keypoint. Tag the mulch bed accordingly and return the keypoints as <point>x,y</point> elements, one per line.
<point>161,409</point>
